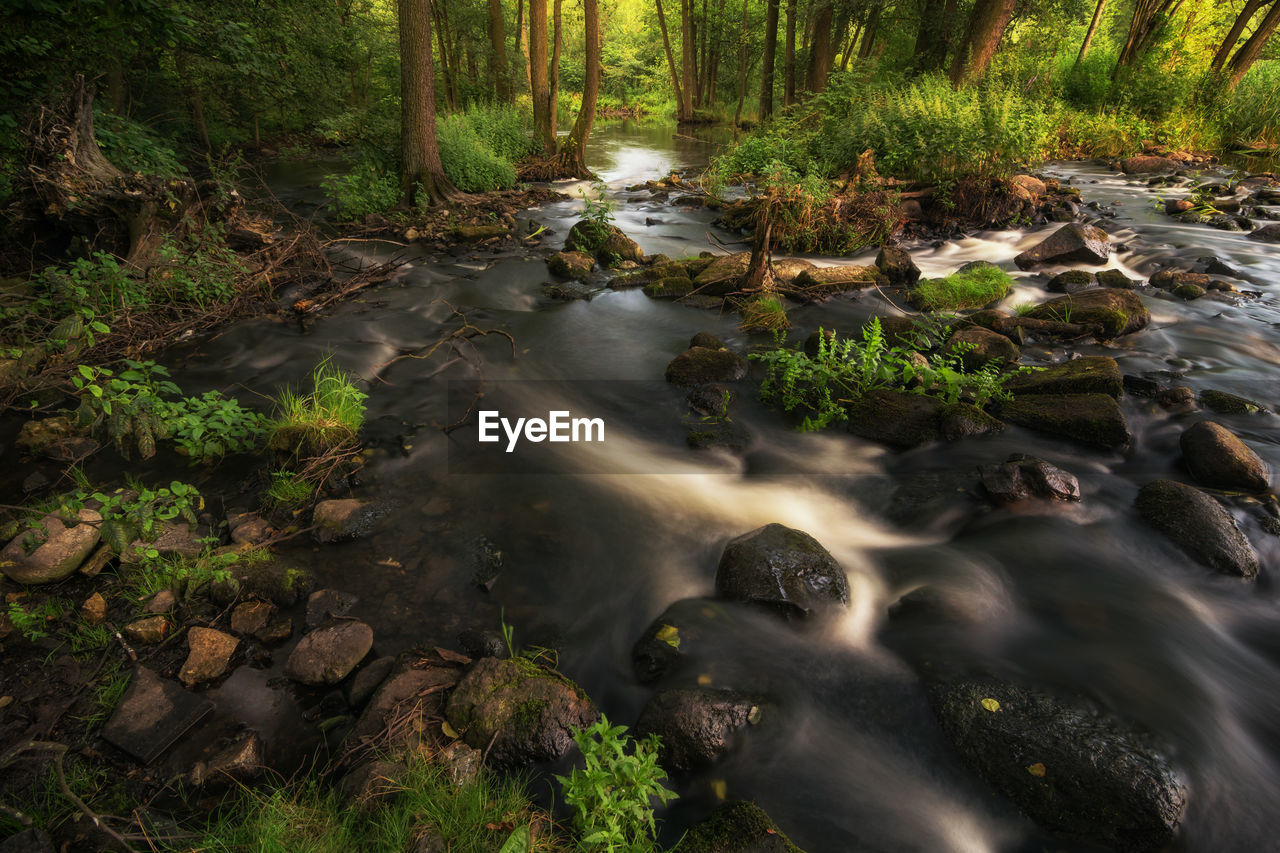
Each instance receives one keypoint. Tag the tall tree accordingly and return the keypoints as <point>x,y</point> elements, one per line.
<point>1093,28</point>
<point>553,95</point>
<point>1251,49</point>
<point>789,58</point>
<point>1251,8</point>
<point>684,109</point>
<point>933,38</point>
<point>742,65</point>
<point>820,51</point>
<point>870,33</point>
<point>770,58</point>
<point>538,84</point>
<point>572,156</point>
<point>987,23</point>
<point>522,43</point>
<point>422,175</point>
<point>1148,17</point>
<point>687,53</point>
<point>498,41</point>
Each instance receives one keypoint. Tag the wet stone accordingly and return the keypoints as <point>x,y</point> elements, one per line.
<point>237,763</point>
<point>250,617</point>
<point>276,632</point>
<point>1024,477</point>
<point>324,604</point>
<point>59,550</point>
<point>210,653</point>
<point>1229,404</point>
<point>94,609</point>
<point>162,602</point>
<point>329,654</point>
<point>781,567</point>
<point>698,726</point>
<point>367,680</point>
<point>1217,458</point>
<point>149,631</point>
<point>152,715</point>
<point>1198,525</point>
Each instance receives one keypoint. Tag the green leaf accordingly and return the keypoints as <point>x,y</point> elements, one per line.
<point>519,841</point>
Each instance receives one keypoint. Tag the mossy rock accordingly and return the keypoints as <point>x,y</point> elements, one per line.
<point>962,420</point>
<point>520,713</point>
<point>669,288</point>
<point>1198,525</point>
<point>741,827</point>
<point>272,579</point>
<point>899,419</point>
<point>1093,374</point>
<point>475,233</point>
<point>1111,311</point>
<point>1072,281</point>
<point>699,365</point>
<point>1093,419</point>
<point>698,725</point>
<point>981,347</point>
<point>574,265</point>
<point>1189,291</point>
<point>839,279</point>
<point>1229,404</point>
<point>1217,458</point>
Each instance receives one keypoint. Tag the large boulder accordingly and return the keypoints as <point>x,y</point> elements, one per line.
<point>327,655</point>
<point>1072,243</point>
<point>605,242</point>
<point>1089,418</point>
<point>50,551</point>
<point>1218,459</point>
<point>723,275</point>
<point>1198,525</point>
<point>1091,374</point>
<point>903,420</point>
<point>782,568</point>
<point>1266,234</point>
<point>979,347</point>
<point>520,713</point>
<point>1145,164</point>
<point>1071,767</point>
<point>896,265</point>
<point>1110,311</point>
<point>700,365</point>
<point>697,725</point>
<point>741,827</point>
<point>574,265</point>
<point>838,279</point>
<point>1229,404</point>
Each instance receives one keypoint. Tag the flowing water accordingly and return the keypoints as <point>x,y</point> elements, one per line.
<point>848,755</point>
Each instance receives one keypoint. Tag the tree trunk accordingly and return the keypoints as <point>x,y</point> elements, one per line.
<point>742,65</point>
<point>683,111</point>
<point>987,24</point>
<point>498,41</point>
<point>194,99</point>
<point>686,53</point>
<point>1093,29</point>
<point>870,33</point>
<point>703,32</point>
<point>522,44</point>
<point>820,53</point>
<point>789,58</point>
<point>1250,50</point>
<point>1229,43</point>
<point>421,173</point>
<point>770,59</point>
<point>572,156</point>
<point>1148,16</point>
<point>553,96</point>
<point>933,39</point>
<point>450,88</point>
<point>538,74</point>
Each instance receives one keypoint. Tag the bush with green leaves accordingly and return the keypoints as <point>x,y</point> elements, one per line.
<point>504,129</point>
<point>613,795</point>
<point>468,162</point>
<point>138,513</point>
<point>327,417</point>
<point>199,271</point>
<point>135,147</point>
<point>972,288</point>
<point>370,186</point>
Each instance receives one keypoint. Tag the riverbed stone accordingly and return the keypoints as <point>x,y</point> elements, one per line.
<point>367,680</point>
<point>782,568</point>
<point>1217,458</point>
<point>210,653</point>
<point>150,631</point>
<point>51,550</point>
<point>680,627</point>
<point>1072,281</point>
<point>250,617</point>
<point>1023,477</point>
<point>372,783</point>
<point>235,764</point>
<point>94,609</point>
<point>790,269</point>
<point>1111,311</point>
<point>1145,164</point>
<point>176,538</point>
<point>897,266</point>
<point>982,347</point>
<point>617,248</point>
<point>1067,764</point>
<point>1229,404</point>
<point>1072,243</point>
<point>899,419</point>
<point>1093,419</point>
<point>574,265</point>
<point>1266,234</point>
<point>517,711</point>
<point>669,288</point>
<point>741,827</point>
<point>1198,525</point>
<point>343,518</point>
<point>697,725</point>
<point>724,274</point>
<point>326,604</point>
<point>1115,278</point>
<point>327,655</point>
<point>476,233</point>
<point>162,602</point>
<point>35,436</point>
<point>700,365</point>
<point>153,713</point>
<point>1091,374</point>
<point>841,278</point>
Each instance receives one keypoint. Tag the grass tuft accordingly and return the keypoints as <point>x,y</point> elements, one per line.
<point>328,417</point>
<point>962,290</point>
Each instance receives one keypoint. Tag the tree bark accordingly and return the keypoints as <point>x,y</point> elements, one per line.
<point>553,96</point>
<point>573,155</point>
<point>1233,36</point>
<point>742,65</point>
<point>770,59</point>
<point>933,39</point>
<point>703,31</point>
<point>498,41</point>
<point>421,172</point>
<point>1251,49</point>
<point>683,111</point>
<point>522,44</point>
<point>538,74</point>
<point>687,54</point>
<point>789,58</point>
<point>820,53</point>
<point>1093,28</point>
<point>1148,15</point>
<point>987,24</point>
<point>194,98</point>
<point>446,66</point>
<point>870,33</point>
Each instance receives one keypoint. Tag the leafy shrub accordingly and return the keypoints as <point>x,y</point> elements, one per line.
<point>505,130</point>
<point>972,288</point>
<point>612,797</point>
<point>1250,117</point>
<point>134,147</point>
<point>198,271</point>
<point>329,416</point>
<point>369,187</point>
<point>139,513</point>
<point>468,162</point>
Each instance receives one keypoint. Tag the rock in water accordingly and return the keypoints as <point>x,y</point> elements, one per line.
<point>344,518</point>
<point>210,653</point>
<point>1198,525</point>
<point>1092,374</point>
<point>58,549</point>
<point>1089,418</point>
<point>979,347</point>
<point>1145,164</point>
<point>1067,765</point>
<point>327,655</point>
<point>699,365</point>
<point>783,568</point>
<point>520,713</point>
<point>1266,234</point>
<point>1110,311</point>
<point>741,827</point>
<point>1218,459</point>
<point>1024,477</point>
<point>574,265</point>
<point>1072,243</point>
<point>897,266</point>
<point>697,725</point>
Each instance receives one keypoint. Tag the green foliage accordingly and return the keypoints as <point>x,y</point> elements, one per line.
<point>369,187</point>
<point>503,129</point>
<point>468,162</point>
<point>764,313</point>
<point>135,410</point>
<point>181,573</point>
<point>969,289</point>
<point>1250,117</point>
<point>288,489</point>
<point>132,514</point>
<point>200,271</point>
<point>135,147</point>
<point>329,416</point>
<point>31,621</point>
<point>612,796</point>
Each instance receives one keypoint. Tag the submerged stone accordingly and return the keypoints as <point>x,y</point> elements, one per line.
<point>50,550</point>
<point>783,568</point>
<point>697,725</point>
<point>1092,374</point>
<point>741,827</point>
<point>1198,525</point>
<point>1217,458</point>
<point>1089,418</point>
<point>700,365</point>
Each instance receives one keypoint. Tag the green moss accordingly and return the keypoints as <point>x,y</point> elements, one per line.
<point>1229,404</point>
<point>736,828</point>
<point>974,288</point>
<point>669,288</point>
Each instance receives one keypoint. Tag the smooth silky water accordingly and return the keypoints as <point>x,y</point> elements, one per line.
<point>848,755</point>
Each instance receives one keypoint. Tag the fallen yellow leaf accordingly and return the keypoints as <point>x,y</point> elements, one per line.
<point>991,704</point>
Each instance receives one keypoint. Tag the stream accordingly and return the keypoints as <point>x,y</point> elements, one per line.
<point>849,755</point>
